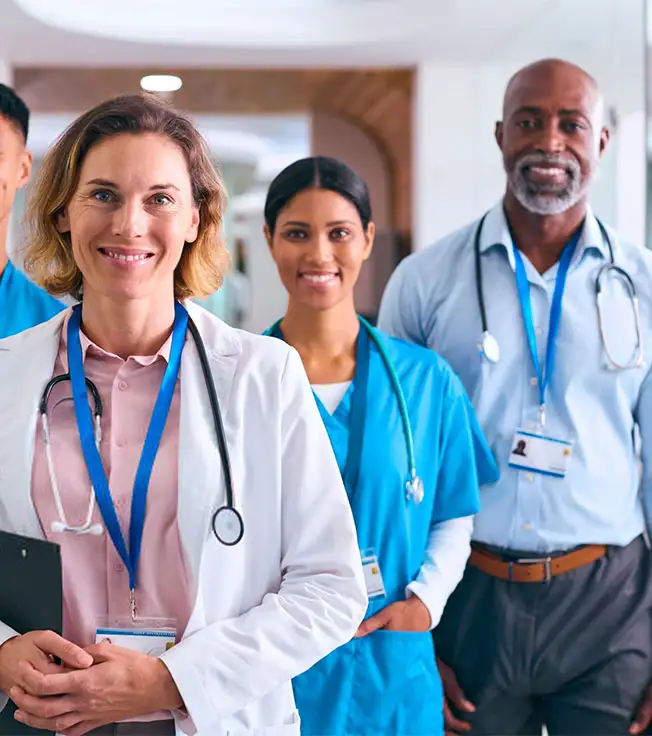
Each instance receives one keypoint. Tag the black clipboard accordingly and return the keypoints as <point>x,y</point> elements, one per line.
<point>31,599</point>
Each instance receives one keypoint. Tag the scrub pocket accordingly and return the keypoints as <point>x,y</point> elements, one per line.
<point>398,690</point>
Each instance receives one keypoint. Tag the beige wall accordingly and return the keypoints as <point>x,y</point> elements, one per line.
<point>333,136</point>
<point>336,137</point>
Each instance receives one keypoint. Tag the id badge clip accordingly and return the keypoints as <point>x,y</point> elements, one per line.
<point>151,636</point>
<point>372,575</point>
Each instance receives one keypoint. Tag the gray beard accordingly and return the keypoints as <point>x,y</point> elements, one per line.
<point>542,200</point>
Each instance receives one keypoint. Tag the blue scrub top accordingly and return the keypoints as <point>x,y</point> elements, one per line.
<point>387,682</point>
<point>22,303</point>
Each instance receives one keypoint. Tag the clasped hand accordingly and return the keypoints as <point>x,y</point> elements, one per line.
<point>92,687</point>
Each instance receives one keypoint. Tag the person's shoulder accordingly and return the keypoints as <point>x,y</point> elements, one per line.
<point>267,353</point>
<point>445,251</point>
<point>635,260</point>
<point>411,357</point>
<point>36,303</point>
<point>629,251</point>
<point>45,304</point>
<point>30,338</point>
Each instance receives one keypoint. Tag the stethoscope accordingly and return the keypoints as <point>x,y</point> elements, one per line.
<point>414,485</point>
<point>489,347</point>
<point>227,523</point>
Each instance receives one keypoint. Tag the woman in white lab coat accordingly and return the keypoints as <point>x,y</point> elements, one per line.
<point>126,216</point>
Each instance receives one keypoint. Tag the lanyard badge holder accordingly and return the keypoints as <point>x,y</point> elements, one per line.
<point>150,636</point>
<point>539,452</point>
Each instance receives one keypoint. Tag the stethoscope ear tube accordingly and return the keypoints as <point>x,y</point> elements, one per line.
<point>95,394</point>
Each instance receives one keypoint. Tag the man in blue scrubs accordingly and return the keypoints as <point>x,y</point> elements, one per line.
<point>552,623</point>
<point>22,303</point>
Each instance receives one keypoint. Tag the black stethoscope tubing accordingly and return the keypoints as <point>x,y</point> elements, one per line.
<point>229,513</point>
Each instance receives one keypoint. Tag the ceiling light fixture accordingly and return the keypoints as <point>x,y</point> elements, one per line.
<point>161,83</point>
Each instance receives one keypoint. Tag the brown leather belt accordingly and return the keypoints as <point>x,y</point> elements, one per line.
<point>534,569</point>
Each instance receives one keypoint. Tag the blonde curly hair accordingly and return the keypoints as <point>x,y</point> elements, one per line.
<point>48,253</point>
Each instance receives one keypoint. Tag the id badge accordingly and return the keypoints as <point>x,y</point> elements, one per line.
<point>538,453</point>
<point>148,636</point>
<point>372,576</point>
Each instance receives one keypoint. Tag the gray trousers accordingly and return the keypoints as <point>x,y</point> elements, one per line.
<point>574,653</point>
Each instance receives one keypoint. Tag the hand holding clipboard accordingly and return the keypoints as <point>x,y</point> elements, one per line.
<point>31,605</point>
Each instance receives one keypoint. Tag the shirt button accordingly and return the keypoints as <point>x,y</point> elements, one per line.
<point>538,332</point>
<point>534,381</point>
<point>123,385</point>
<point>527,526</point>
<point>530,477</point>
<point>119,567</point>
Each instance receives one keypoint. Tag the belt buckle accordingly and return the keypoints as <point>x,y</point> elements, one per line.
<point>545,561</point>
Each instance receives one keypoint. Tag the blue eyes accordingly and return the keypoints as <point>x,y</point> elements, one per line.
<point>161,199</point>
<point>102,195</point>
<point>106,196</point>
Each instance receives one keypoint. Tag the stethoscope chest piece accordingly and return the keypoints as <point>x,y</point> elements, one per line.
<point>490,348</point>
<point>415,489</point>
<point>228,526</point>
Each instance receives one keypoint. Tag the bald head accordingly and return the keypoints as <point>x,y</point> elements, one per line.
<point>551,135</point>
<point>553,73</point>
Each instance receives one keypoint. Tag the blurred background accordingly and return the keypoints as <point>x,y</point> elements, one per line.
<point>405,91</point>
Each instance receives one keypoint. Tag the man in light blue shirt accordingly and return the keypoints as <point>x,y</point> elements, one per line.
<point>22,303</point>
<point>552,623</point>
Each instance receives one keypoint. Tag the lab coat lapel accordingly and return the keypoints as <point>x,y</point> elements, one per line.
<point>26,363</point>
<point>201,479</point>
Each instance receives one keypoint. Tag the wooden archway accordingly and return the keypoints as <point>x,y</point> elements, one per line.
<point>377,100</point>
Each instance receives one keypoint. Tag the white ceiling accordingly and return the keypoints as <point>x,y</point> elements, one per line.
<point>300,32</point>
<point>606,36</point>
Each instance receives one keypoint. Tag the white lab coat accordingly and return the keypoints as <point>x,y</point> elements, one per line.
<point>292,590</point>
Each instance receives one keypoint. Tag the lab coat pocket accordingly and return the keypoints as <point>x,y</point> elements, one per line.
<point>400,691</point>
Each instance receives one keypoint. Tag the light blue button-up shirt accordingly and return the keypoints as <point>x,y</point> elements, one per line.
<point>431,300</point>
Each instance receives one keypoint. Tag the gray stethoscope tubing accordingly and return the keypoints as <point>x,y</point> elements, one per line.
<point>227,523</point>
<point>489,346</point>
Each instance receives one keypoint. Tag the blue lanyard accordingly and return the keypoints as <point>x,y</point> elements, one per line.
<point>523,286</point>
<point>130,557</point>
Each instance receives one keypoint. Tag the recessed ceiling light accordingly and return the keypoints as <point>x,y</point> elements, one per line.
<point>161,83</point>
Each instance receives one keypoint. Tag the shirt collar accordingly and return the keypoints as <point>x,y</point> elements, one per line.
<point>88,346</point>
<point>495,232</point>
<point>7,273</point>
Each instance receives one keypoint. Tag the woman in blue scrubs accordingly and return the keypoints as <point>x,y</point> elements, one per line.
<point>409,449</point>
